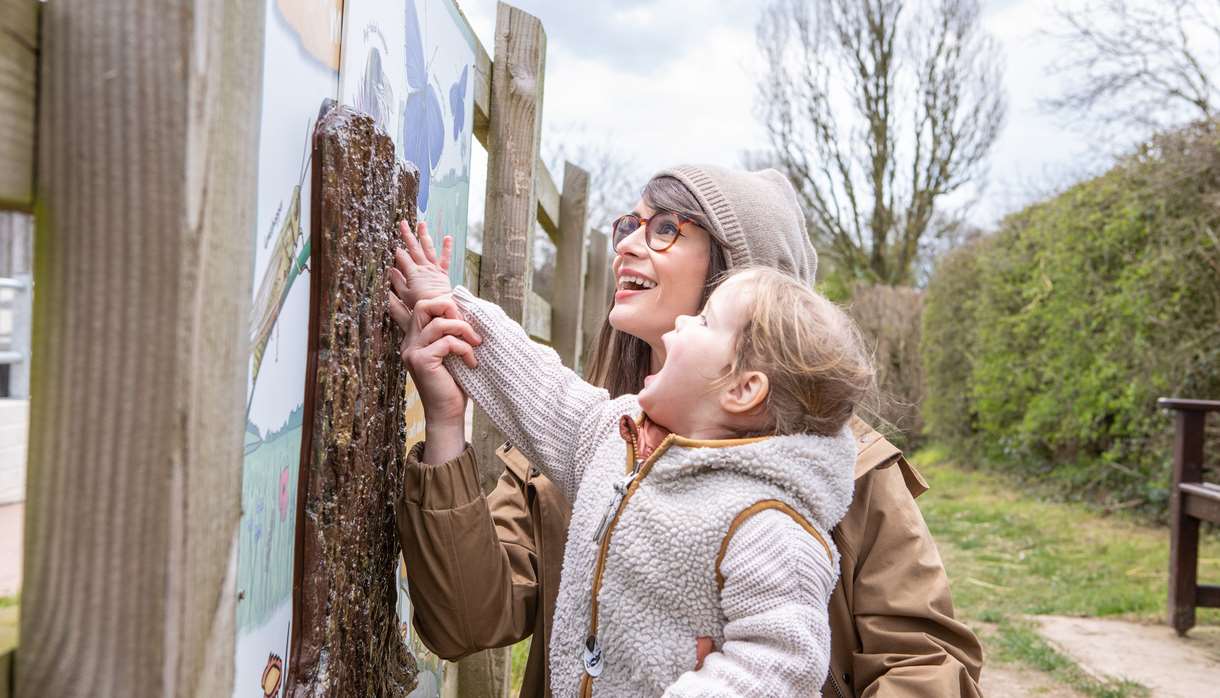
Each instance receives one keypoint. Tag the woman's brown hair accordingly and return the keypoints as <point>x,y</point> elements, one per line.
<point>621,361</point>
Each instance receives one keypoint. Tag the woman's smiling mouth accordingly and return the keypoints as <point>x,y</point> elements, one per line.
<point>629,284</point>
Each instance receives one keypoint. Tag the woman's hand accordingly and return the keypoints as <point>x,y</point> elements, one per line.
<point>419,274</point>
<point>433,331</point>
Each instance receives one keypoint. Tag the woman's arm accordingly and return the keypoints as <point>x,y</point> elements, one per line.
<point>777,584</point>
<point>910,643</point>
<point>472,562</point>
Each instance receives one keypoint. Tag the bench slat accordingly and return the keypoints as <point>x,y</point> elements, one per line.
<point>1200,501</point>
<point>1207,595</point>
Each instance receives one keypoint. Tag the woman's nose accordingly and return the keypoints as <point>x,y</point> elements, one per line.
<point>633,243</point>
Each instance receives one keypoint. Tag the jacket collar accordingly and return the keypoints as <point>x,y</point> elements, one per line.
<point>877,452</point>
<point>514,461</point>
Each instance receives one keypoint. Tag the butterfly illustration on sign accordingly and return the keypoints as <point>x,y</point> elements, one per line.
<point>423,126</point>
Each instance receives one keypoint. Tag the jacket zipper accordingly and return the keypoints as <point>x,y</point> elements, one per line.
<point>835,683</point>
<point>640,471</point>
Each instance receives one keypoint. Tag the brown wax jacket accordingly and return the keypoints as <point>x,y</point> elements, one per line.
<point>484,572</point>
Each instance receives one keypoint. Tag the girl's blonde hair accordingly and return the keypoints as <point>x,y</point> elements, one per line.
<point>811,352</point>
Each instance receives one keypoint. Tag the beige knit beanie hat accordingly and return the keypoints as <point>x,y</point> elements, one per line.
<point>754,215</point>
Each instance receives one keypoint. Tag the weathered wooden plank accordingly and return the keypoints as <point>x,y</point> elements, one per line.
<point>548,201</point>
<point>146,199</point>
<point>597,294</point>
<point>544,182</point>
<point>18,101</point>
<point>472,261</point>
<point>568,300</point>
<point>538,318</point>
<point>345,630</point>
<point>511,205</point>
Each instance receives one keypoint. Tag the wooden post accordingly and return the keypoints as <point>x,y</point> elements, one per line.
<point>597,294</point>
<point>511,208</point>
<point>513,135</point>
<point>568,300</point>
<point>1183,528</point>
<point>18,101</point>
<point>145,211</point>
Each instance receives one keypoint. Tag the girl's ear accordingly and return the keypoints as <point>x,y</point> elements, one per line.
<point>747,394</point>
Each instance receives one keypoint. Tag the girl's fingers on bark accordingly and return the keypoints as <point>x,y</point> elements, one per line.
<point>413,249</point>
<point>446,252</point>
<point>399,312</point>
<point>425,241</point>
<point>441,327</point>
<point>403,262</point>
<point>398,282</point>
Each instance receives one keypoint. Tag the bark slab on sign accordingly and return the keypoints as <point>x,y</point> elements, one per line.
<point>346,639</point>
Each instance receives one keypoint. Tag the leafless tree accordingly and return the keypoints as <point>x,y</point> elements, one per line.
<point>1139,62</point>
<point>876,109</point>
<point>614,187</point>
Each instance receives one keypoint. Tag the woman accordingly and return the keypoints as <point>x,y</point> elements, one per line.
<point>485,571</point>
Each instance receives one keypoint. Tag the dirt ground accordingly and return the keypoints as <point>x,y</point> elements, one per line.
<point>1004,681</point>
<point>1152,655</point>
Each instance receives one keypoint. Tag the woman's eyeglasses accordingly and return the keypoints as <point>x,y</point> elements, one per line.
<point>660,231</point>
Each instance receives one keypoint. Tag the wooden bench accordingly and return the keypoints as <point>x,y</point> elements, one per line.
<point>1190,501</point>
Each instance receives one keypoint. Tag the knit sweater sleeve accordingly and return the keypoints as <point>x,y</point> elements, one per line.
<point>777,585</point>
<point>544,409</point>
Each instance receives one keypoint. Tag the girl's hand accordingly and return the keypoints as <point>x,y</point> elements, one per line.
<point>418,273</point>
<point>433,331</point>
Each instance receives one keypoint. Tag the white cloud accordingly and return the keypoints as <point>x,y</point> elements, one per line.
<point>671,81</point>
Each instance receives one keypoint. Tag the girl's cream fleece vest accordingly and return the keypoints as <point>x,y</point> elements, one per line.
<point>658,589</point>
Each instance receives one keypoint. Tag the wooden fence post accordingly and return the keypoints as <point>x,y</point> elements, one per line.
<point>513,136</point>
<point>511,208</point>
<point>567,303</point>
<point>145,211</point>
<point>597,294</point>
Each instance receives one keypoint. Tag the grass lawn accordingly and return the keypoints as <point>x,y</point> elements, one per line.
<point>1010,556</point>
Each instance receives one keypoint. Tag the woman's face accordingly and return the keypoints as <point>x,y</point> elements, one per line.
<point>673,282</point>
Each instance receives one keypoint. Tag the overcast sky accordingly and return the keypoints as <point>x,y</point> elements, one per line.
<point>669,81</point>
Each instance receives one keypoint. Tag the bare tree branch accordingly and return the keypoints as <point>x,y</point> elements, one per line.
<point>876,109</point>
<point>1139,62</point>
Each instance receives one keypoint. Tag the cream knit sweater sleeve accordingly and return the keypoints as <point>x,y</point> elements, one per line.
<point>777,585</point>
<point>545,410</point>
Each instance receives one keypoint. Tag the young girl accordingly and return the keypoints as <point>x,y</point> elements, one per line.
<point>698,558</point>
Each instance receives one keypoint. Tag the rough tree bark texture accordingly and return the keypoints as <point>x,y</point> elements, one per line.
<point>346,639</point>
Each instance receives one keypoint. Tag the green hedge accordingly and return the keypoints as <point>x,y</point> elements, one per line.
<point>1046,344</point>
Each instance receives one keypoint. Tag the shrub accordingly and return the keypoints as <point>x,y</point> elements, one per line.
<point>1076,315</point>
<point>889,319</point>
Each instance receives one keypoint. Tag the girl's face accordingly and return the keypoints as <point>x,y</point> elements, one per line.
<point>685,394</point>
<point>653,288</point>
